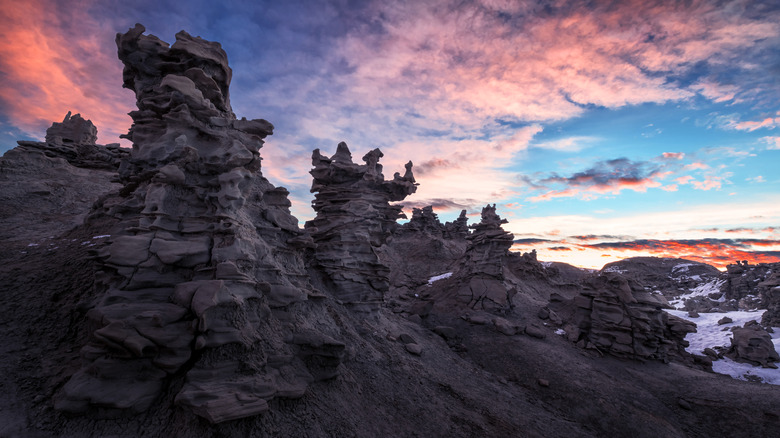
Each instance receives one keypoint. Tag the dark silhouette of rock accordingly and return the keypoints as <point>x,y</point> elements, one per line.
<point>752,344</point>
<point>354,217</point>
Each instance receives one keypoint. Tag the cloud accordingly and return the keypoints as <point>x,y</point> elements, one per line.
<point>751,125</point>
<point>611,176</point>
<point>718,252</point>
<point>772,142</point>
<point>674,155</point>
<point>568,144</point>
<point>55,58</point>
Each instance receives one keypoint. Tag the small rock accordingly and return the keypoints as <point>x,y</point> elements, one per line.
<point>684,404</point>
<point>711,353</point>
<point>544,383</point>
<point>543,313</point>
<point>535,332</point>
<point>406,339</point>
<point>725,320</point>
<point>693,314</point>
<point>504,326</point>
<point>415,349</point>
<point>444,331</point>
<point>415,319</point>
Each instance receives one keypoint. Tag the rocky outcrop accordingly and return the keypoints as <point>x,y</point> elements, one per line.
<point>752,344</point>
<point>201,258</point>
<point>743,280</point>
<point>49,187</point>
<point>616,316</point>
<point>354,217</point>
<point>423,248</point>
<point>770,298</point>
<point>478,281</point>
<point>670,277</point>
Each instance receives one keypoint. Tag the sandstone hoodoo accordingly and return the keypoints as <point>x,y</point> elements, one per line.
<point>199,257</point>
<point>354,217</point>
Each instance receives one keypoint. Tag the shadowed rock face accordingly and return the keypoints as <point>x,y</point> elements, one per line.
<point>199,259</point>
<point>354,216</point>
<point>615,315</point>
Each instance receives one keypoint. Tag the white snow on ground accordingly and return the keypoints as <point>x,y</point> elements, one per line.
<point>615,269</point>
<point>710,334</point>
<point>439,277</point>
<point>682,267</point>
<point>704,289</point>
<point>101,236</point>
<point>546,264</point>
<point>560,332</point>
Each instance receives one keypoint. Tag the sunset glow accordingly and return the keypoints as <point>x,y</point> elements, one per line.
<point>601,131</point>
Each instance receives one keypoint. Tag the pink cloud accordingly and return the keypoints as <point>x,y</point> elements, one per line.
<point>769,122</point>
<point>709,183</point>
<point>674,155</point>
<point>50,68</point>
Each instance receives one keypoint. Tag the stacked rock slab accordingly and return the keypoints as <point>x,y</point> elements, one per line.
<point>200,258</point>
<point>354,216</point>
<point>613,317</point>
<point>482,267</point>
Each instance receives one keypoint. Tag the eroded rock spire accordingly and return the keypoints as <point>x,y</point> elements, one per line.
<point>354,216</point>
<point>199,258</point>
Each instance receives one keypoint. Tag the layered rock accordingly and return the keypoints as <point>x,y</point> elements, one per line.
<point>354,217</point>
<point>481,269</point>
<point>423,248</point>
<point>199,261</point>
<point>743,280</point>
<point>48,187</point>
<point>770,299</point>
<point>616,316</point>
<point>752,344</point>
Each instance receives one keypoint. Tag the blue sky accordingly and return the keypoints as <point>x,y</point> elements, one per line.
<point>602,130</point>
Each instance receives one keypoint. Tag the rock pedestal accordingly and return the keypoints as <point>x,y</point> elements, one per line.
<point>354,216</point>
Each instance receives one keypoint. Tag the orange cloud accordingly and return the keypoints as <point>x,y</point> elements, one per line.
<point>54,59</point>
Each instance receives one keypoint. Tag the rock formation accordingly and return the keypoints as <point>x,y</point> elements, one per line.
<point>354,217</point>
<point>199,259</point>
<point>48,187</point>
<point>482,266</point>
<point>616,316</point>
<point>752,344</point>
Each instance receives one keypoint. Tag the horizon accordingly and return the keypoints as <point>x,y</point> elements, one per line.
<point>601,132</point>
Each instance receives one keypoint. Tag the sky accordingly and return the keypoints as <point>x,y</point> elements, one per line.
<point>600,129</point>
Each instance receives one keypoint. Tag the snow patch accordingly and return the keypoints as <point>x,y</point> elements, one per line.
<point>704,289</point>
<point>560,332</point>
<point>439,277</point>
<point>682,267</point>
<point>102,236</point>
<point>615,269</point>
